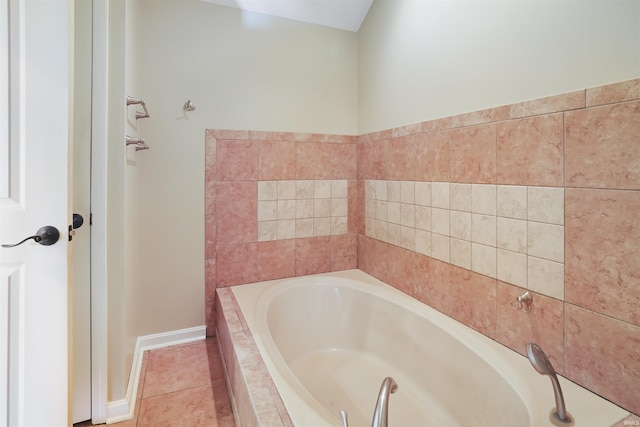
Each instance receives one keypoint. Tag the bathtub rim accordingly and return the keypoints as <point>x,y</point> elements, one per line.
<point>530,387</point>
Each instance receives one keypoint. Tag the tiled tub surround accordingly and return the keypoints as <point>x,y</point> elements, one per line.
<point>512,233</point>
<point>583,148</point>
<point>277,204</point>
<point>585,144</point>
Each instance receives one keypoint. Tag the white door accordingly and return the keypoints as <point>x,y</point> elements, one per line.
<point>35,92</point>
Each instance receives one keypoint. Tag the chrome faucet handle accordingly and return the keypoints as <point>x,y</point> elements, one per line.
<point>343,419</point>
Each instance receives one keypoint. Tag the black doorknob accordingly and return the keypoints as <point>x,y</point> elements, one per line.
<point>46,236</point>
<point>78,220</point>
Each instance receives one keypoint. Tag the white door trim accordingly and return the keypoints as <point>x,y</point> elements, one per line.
<point>99,261</point>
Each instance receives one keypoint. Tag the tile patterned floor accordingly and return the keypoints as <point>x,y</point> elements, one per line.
<point>182,386</point>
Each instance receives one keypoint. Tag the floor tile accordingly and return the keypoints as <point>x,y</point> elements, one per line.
<point>182,386</point>
<point>176,368</point>
<point>192,407</point>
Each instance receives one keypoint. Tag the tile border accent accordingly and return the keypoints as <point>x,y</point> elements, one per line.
<point>294,209</point>
<point>511,233</point>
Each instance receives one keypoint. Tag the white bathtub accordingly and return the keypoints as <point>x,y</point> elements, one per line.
<point>329,340</point>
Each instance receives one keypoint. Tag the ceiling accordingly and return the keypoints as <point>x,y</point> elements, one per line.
<point>342,14</point>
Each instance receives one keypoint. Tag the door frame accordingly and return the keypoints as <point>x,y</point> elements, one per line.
<point>99,162</point>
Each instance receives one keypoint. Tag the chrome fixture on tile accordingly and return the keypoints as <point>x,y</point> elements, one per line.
<point>523,302</point>
<point>188,106</point>
<point>344,422</point>
<point>542,364</point>
<point>138,142</point>
<point>381,413</point>
<point>139,115</point>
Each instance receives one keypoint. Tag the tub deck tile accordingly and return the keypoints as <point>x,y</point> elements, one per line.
<point>246,371</point>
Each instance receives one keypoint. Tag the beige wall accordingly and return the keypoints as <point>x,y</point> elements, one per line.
<point>242,71</point>
<point>421,60</point>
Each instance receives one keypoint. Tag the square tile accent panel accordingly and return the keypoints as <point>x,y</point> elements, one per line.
<point>291,209</point>
<point>511,233</point>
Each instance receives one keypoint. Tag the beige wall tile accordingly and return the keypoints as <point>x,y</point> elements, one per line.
<point>460,225</point>
<point>339,188</point>
<point>304,189</point>
<point>484,199</point>
<point>545,277</point>
<point>286,190</point>
<point>423,218</point>
<point>440,221</point>
<point>423,242</point>
<point>394,192</point>
<point>339,207</point>
<point>545,241</point>
<point>484,260</point>
<point>440,195</point>
<point>322,227</point>
<point>267,190</point>
<point>512,235</point>
<point>408,238</point>
<point>546,204</point>
<point>407,215</point>
<point>407,192</point>
<point>460,253</point>
<point>322,189</point>
<point>512,201</point>
<point>423,193</point>
<point>304,228</point>
<point>393,212</point>
<point>483,229</point>
<point>394,234</point>
<point>512,267</point>
<point>460,197</point>
<point>440,247</point>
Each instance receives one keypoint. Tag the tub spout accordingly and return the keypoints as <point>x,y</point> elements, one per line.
<point>541,363</point>
<point>381,413</point>
<point>344,419</point>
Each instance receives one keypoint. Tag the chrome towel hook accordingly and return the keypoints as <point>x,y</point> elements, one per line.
<point>188,106</point>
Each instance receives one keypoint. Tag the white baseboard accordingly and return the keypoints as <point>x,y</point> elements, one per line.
<point>122,410</point>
